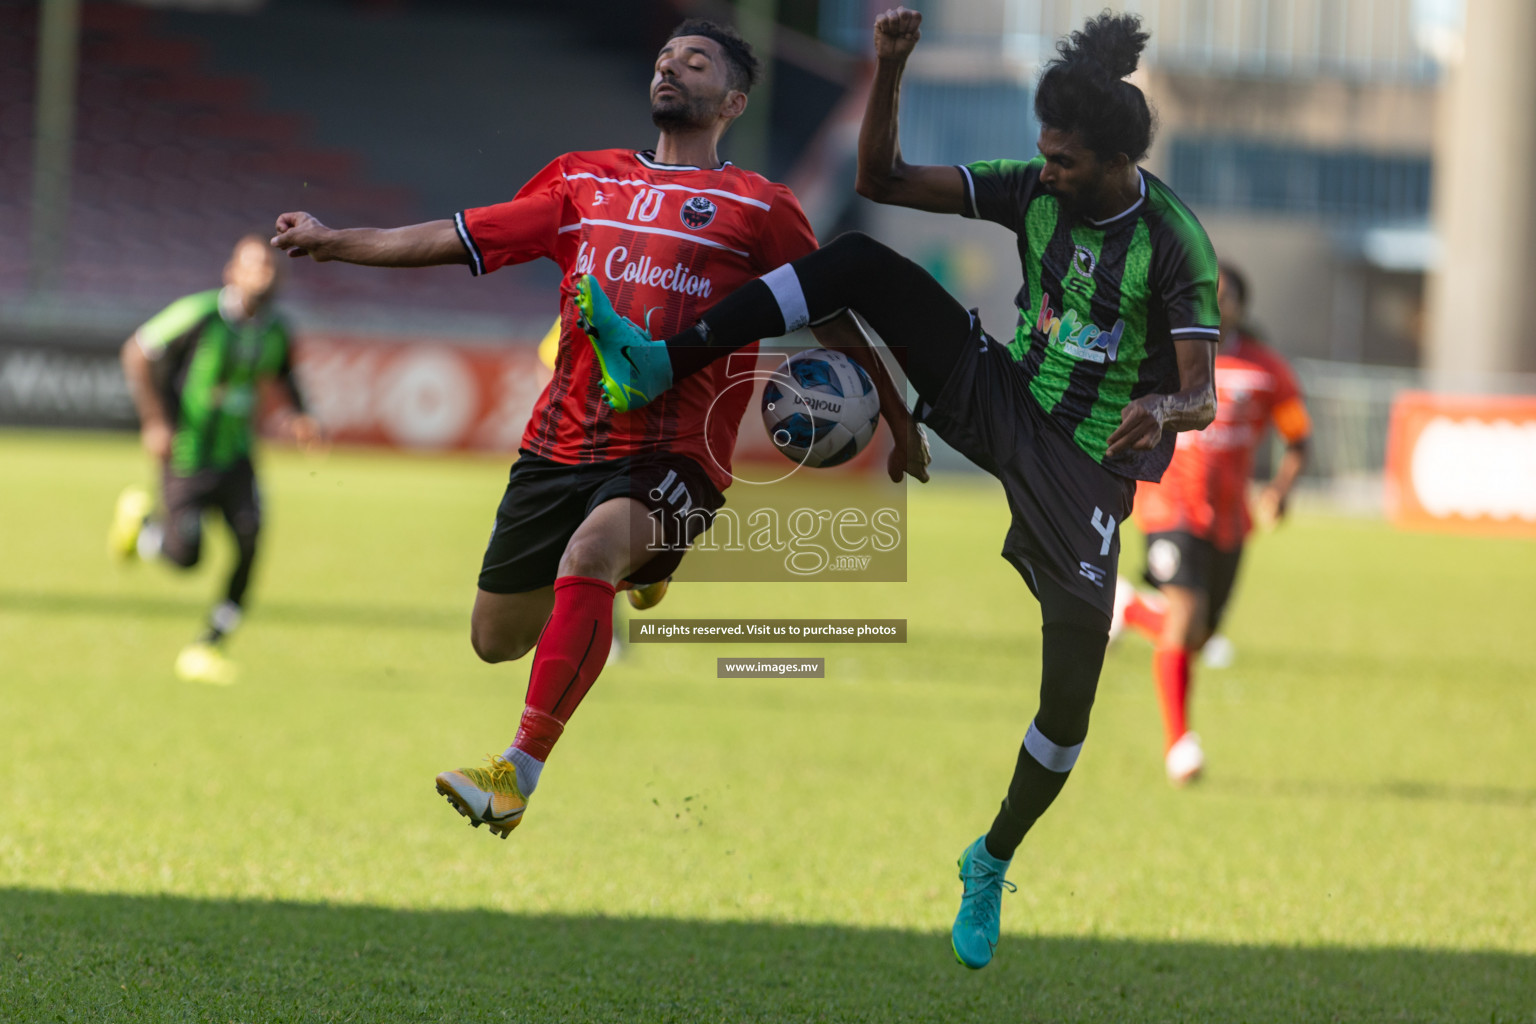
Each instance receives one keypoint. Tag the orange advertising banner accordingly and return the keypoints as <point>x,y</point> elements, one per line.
<point>1463,463</point>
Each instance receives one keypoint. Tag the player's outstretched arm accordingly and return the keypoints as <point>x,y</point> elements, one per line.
<point>154,424</point>
<point>293,417</point>
<point>432,244</point>
<point>883,175</point>
<point>1273,500</point>
<point>910,455</point>
<point>1192,407</point>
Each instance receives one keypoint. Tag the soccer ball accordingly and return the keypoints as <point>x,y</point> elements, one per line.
<point>820,408</point>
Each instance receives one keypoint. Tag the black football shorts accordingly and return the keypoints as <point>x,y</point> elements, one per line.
<point>231,490</point>
<point>1067,509</point>
<point>546,501</point>
<point>1179,559</point>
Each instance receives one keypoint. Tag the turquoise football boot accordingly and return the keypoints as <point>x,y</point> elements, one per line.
<point>974,936</point>
<point>635,367</point>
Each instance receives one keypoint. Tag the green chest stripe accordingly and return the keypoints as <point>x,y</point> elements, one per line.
<point>218,397</point>
<point>1039,228</point>
<point>1092,434</point>
<point>1065,315</point>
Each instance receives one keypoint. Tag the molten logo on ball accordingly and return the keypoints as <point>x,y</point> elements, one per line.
<point>820,408</point>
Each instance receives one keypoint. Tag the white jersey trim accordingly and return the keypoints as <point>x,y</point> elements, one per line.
<point>970,192</point>
<point>476,262</point>
<point>642,229</point>
<point>670,188</point>
<point>1129,209</point>
<point>655,165</point>
<point>1204,332</point>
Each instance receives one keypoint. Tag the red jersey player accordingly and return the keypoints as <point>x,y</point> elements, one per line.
<point>1196,518</point>
<point>669,231</point>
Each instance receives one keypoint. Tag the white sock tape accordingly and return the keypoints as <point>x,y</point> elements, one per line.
<point>226,616</point>
<point>1052,756</point>
<point>786,291</point>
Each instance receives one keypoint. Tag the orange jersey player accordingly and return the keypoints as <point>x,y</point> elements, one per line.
<point>1196,518</point>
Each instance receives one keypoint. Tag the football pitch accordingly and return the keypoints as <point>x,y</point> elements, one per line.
<point>1362,849</point>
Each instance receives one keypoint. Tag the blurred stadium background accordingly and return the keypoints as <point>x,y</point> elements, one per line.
<point>1345,153</point>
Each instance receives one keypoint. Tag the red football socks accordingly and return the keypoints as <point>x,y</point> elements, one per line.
<point>572,651</point>
<point>1171,669</point>
<point>1144,618</point>
<point>537,733</point>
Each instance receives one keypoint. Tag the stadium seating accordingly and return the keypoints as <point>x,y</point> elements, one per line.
<point>173,160</point>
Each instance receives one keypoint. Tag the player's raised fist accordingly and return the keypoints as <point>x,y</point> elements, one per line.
<point>896,32</point>
<point>300,234</point>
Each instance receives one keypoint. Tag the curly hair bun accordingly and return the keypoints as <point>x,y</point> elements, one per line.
<point>1112,41</point>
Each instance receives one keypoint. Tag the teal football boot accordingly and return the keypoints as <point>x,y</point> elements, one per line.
<point>974,936</point>
<point>635,367</point>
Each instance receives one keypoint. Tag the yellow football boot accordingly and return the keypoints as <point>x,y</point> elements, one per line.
<point>202,662</point>
<point>648,596</point>
<point>486,796</point>
<point>133,507</point>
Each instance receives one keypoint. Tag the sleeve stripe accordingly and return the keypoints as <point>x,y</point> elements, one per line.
<point>1204,332</point>
<point>476,261</point>
<point>970,192</point>
<point>1291,420</point>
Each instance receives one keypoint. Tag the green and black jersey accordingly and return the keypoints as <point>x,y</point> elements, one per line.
<point>1102,301</point>
<point>206,361</point>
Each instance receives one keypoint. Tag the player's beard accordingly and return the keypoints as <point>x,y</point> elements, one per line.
<point>1077,205</point>
<point>680,112</point>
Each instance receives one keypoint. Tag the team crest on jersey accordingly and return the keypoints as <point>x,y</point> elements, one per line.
<point>1083,260</point>
<point>697,213</point>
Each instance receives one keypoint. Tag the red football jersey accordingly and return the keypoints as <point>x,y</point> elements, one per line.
<point>1204,489</point>
<point>665,243</point>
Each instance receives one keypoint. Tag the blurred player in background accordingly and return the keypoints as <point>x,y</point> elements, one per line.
<point>1112,356</point>
<point>674,229</point>
<point>1196,518</point>
<point>199,372</point>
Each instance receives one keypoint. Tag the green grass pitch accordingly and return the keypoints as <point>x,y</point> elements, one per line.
<point>1363,849</point>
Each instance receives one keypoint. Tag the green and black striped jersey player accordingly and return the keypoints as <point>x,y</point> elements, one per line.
<point>208,363</point>
<point>198,371</point>
<point>1102,301</point>
<point>1114,355</point>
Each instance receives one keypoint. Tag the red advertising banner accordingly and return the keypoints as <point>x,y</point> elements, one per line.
<point>1463,463</point>
<point>425,394</point>
<point>432,394</point>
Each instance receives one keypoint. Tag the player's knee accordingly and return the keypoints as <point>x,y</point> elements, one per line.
<point>1197,637</point>
<point>858,245</point>
<point>493,645</point>
<point>180,556</point>
<point>591,558</point>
